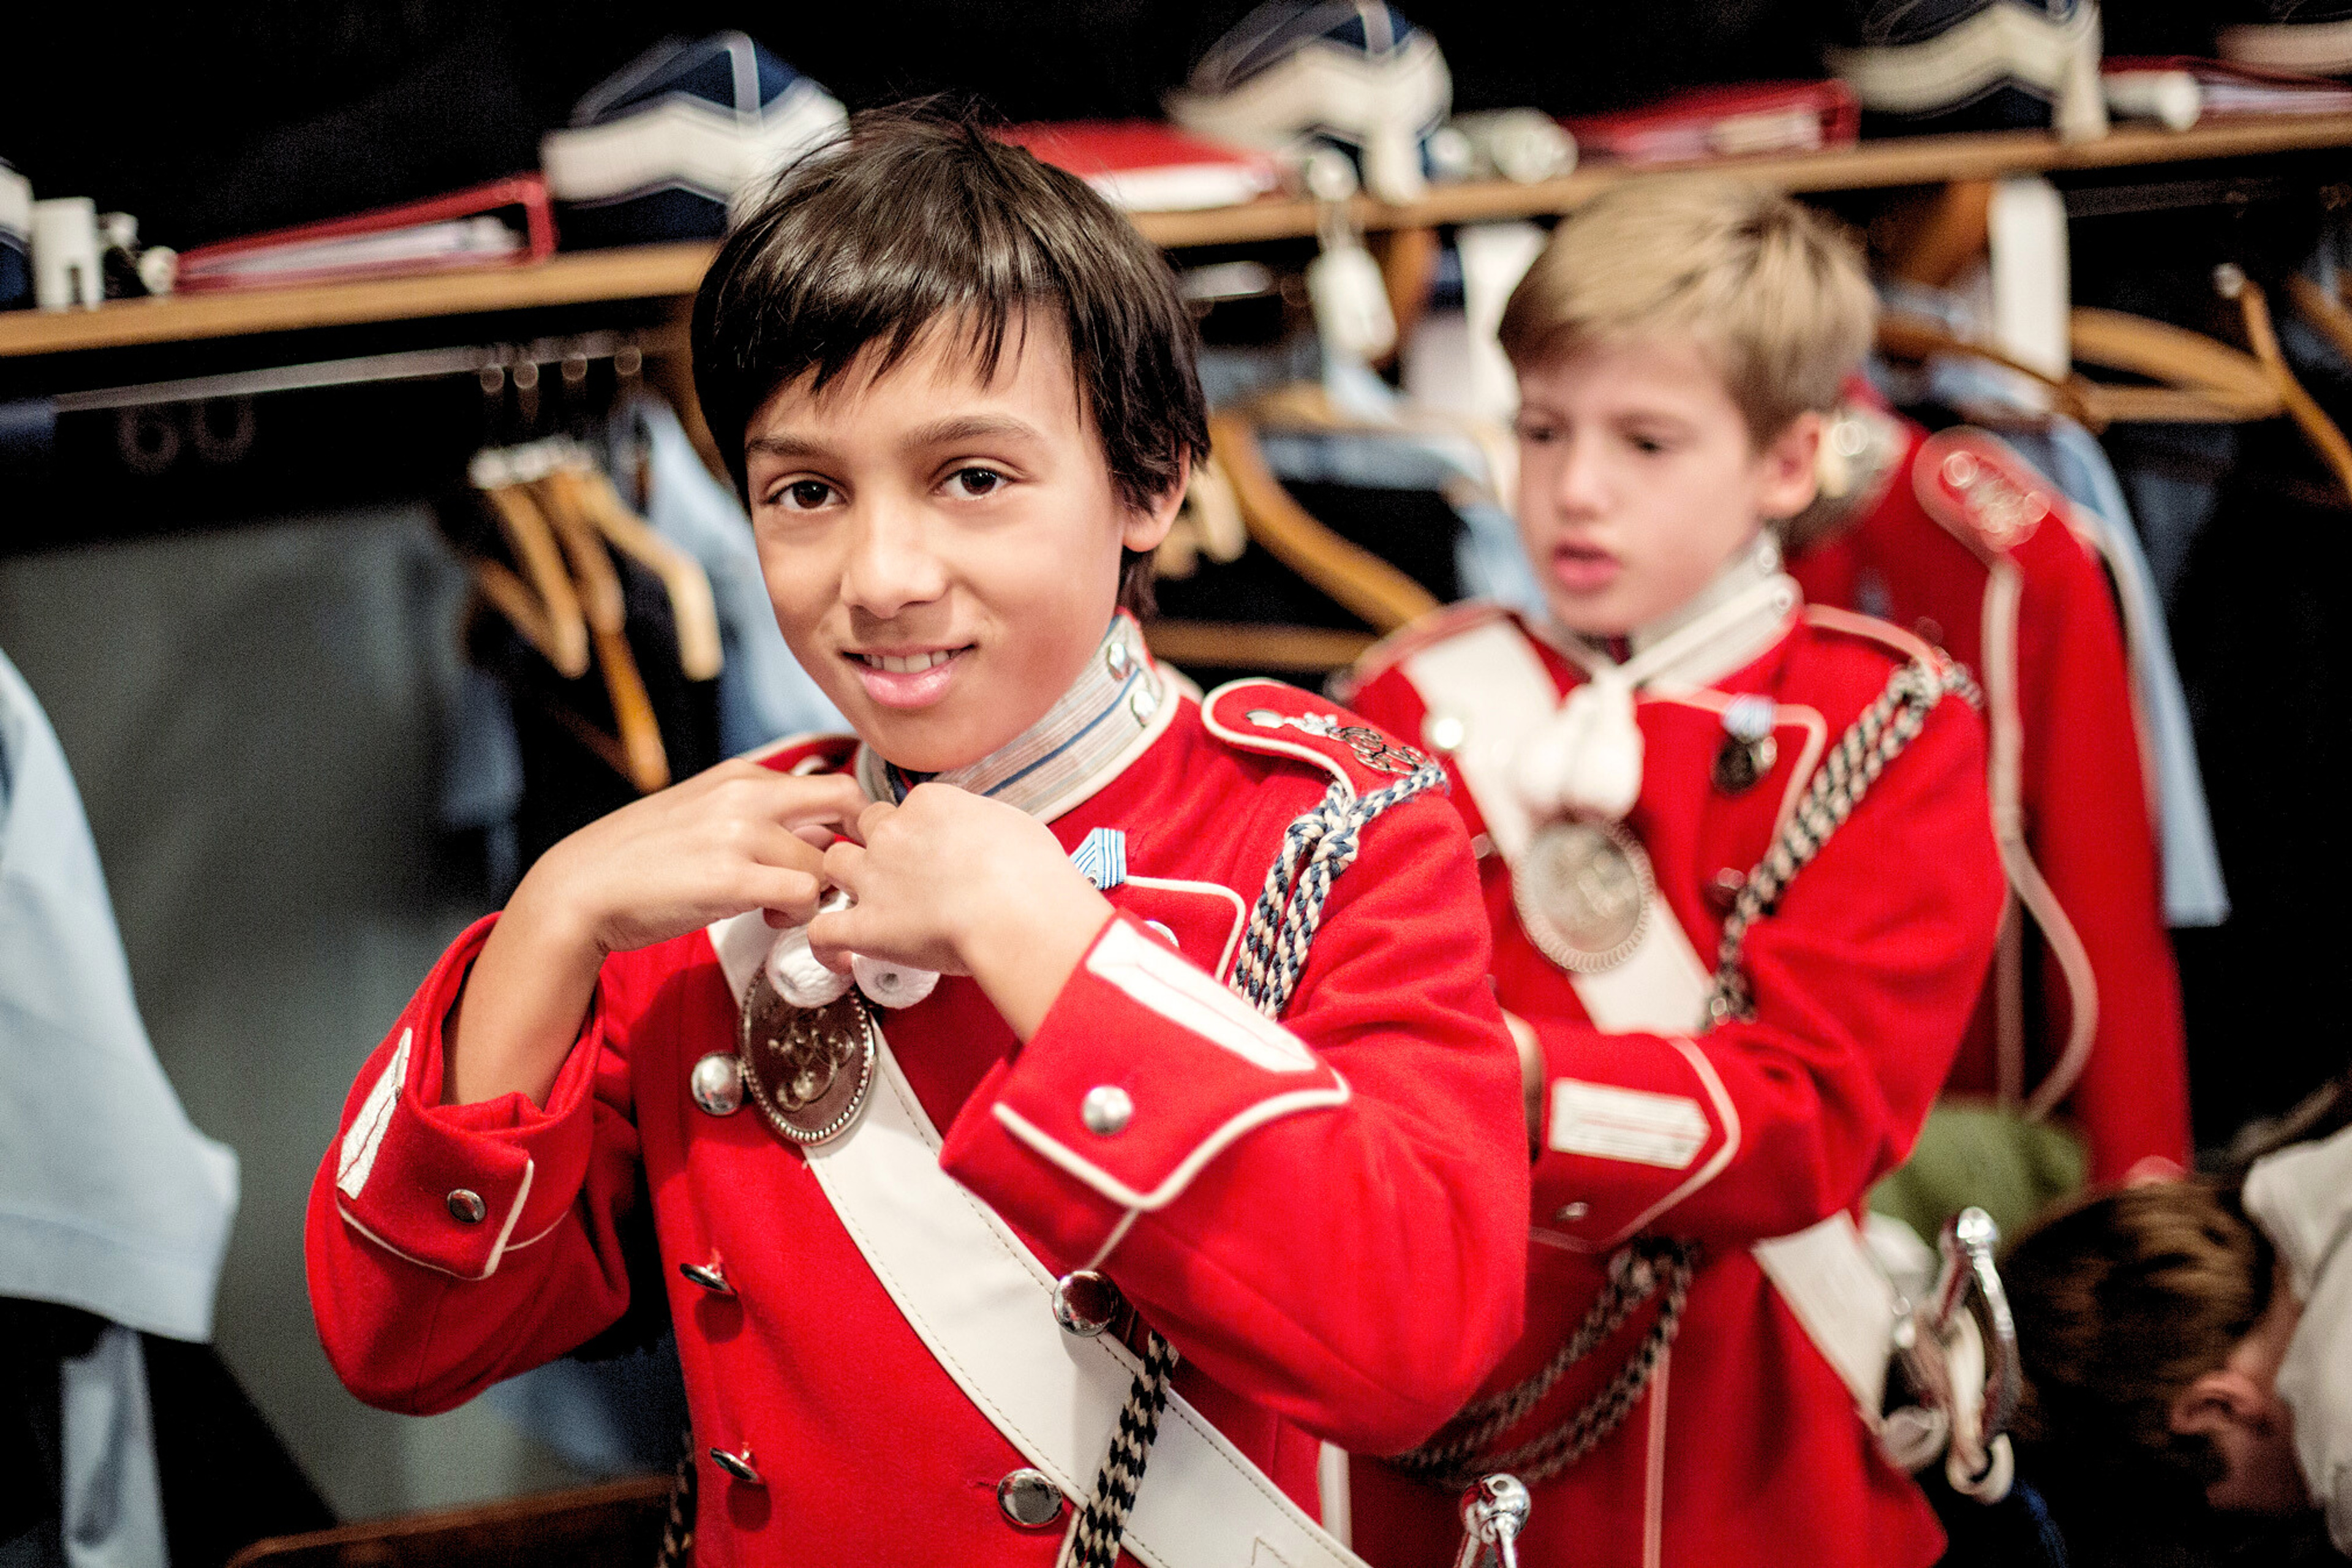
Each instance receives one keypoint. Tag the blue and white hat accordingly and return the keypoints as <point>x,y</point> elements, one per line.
<point>660,149</point>
<point>1351,71</point>
<point>1922,65</point>
<point>16,239</point>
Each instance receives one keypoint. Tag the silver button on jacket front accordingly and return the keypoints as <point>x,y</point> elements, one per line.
<point>1029,1499</point>
<point>737,1465</point>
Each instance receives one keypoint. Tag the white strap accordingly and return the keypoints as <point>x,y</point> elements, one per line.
<point>1840,1295</point>
<point>1495,684</point>
<point>982,1305</point>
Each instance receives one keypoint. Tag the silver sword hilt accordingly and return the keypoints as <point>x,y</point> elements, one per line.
<point>1493,1513</point>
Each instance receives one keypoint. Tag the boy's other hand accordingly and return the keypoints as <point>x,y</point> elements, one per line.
<point>957,883</point>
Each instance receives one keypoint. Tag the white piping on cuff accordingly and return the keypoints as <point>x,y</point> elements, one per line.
<point>1273,1109</point>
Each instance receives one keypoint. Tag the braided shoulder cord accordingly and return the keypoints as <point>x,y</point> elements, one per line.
<point>1316,848</point>
<point>1464,1450</point>
<point>1845,774</point>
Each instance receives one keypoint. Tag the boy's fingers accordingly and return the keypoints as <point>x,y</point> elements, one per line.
<point>843,865</point>
<point>876,814</point>
<point>832,799</point>
<point>787,895</point>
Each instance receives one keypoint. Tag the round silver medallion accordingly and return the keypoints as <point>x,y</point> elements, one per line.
<point>1584,892</point>
<point>716,1085</point>
<point>808,1069</point>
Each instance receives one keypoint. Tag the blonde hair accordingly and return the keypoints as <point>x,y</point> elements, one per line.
<point>1773,293</point>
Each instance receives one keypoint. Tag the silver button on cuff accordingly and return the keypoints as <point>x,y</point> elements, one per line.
<point>1107,1110</point>
<point>1570,1212</point>
<point>737,1465</point>
<point>1085,1302</point>
<point>709,1276</point>
<point>468,1207</point>
<point>716,1084</point>
<point>1030,1498</point>
<point>1444,733</point>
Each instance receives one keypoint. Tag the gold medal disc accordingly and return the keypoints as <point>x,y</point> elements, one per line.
<point>808,1069</point>
<point>1584,892</point>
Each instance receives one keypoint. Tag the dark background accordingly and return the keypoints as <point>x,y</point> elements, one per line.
<point>212,120</point>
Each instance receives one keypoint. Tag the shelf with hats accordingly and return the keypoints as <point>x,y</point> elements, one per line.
<point>668,272</point>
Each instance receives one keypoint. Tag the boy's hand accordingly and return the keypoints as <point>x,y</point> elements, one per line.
<point>954,882</point>
<point>735,838</point>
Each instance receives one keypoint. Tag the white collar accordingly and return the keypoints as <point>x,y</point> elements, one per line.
<point>1120,704</point>
<point>1723,627</point>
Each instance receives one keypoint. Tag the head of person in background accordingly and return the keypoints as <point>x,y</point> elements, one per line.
<point>956,391</point>
<point>2151,1322</point>
<point>1678,344</point>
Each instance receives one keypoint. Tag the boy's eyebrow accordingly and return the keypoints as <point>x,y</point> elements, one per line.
<point>938,433</point>
<point>973,427</point>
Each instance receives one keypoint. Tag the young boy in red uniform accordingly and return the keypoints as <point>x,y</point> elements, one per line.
<point>1738,936</point>
<point>1092,1028</point>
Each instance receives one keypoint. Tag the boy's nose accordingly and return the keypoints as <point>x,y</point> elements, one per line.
<point>891,564</point>
<point>1579,488</point>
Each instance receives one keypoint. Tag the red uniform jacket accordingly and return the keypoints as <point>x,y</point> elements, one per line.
<point>1345,1270</point>
<point>1967,544</point>
<point>1746,1447</point>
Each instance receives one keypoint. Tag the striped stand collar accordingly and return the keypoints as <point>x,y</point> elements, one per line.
<point>1118,706</point>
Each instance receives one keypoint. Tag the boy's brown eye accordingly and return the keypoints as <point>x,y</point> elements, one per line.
<point>979,481</point>
<point>806,495</point>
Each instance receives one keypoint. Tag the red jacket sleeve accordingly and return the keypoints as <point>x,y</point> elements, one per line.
<point>1862,979</point>
<point>514,1205</point>
<point>1267,1171</point>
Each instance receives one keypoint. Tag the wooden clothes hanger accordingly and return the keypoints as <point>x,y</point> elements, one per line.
<point>584,489</point>
<point>572,592</point>
<point>1370,589</point>
<point>542,603</point>
<point>2317,428</point>
<point>1911,338</point>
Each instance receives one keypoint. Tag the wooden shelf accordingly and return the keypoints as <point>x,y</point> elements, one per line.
<point>1871,165</point>
<point>587,277</point>
<point>665,271</point>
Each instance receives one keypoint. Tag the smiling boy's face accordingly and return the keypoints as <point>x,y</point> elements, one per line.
<point>1639,480</point>
<point>943,554</point>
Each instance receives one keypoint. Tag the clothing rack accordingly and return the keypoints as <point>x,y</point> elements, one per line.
<point>494,364</point>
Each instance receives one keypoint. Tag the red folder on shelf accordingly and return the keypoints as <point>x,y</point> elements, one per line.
<point>1705,123</point>
<point>1143,165</point>
<point>503,223</point>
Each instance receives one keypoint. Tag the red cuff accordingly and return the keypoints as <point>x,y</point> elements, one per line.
<point>454,1187</point>
<point>1144,1072</point>
<point>1633,1124</point>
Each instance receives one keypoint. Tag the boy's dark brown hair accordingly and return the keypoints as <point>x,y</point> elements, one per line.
<point>2123,1299</point>
<point>914,218</point>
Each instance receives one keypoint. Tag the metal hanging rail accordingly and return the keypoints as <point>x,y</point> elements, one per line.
<point>493,364</point>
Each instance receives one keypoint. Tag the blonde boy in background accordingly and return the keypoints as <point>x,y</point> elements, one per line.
<point>1739,934</point>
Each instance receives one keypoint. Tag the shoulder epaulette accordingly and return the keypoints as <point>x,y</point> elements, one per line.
<point>1271,718</point>
<point>806,754</point>
<point>1405,641</point>
<point>1883,636</point>
<point>1984,494</point>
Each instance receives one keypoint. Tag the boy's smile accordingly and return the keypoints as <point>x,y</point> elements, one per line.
<point>943,554</point>
<point>1639,480</point>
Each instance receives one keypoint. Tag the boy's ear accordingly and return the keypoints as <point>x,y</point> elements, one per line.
<point>1146,526</point>
<point>1792,475</point>
<point>2217,1403</point>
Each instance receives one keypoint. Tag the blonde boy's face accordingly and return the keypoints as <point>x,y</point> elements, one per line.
<point>1639,481</point>
<point>943,554</point>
